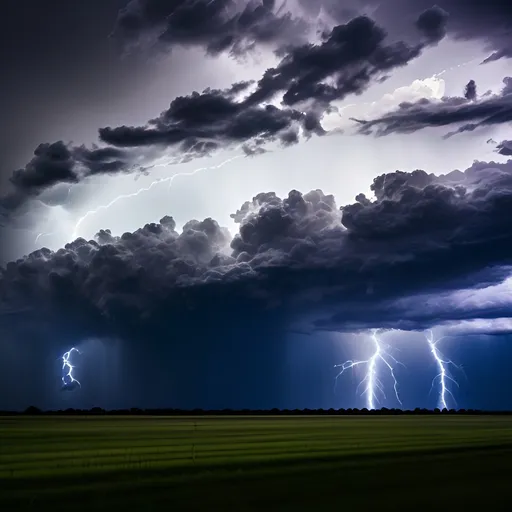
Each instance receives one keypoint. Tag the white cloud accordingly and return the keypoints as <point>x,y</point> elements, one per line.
<point>431,88</point>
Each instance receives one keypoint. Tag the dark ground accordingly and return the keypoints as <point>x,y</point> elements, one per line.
<point>299,463</point>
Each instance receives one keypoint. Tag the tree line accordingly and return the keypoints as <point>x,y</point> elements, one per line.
<point>35,411</point>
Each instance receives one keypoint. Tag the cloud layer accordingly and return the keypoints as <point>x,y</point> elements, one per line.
<point>505,148</point>
<point>301,255</point>
<point>236,26</point>
<point>218,26</point>
<point>467,113</point>
<point>311,76</point>
<point>486,22</point>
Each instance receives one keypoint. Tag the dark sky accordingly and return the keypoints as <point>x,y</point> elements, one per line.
<point>53,55</point>
<point>256,314</point>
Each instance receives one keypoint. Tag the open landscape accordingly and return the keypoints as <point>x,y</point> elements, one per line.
<point>253,463</point>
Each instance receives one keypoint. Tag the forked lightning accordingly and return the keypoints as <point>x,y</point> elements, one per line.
<point>67,369</point>
<point>443,375</point>
<point>374,387</point>
<point>168,179</point>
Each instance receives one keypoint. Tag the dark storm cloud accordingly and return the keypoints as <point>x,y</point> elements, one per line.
<point>470,90</point>
<point>487,22</point>
<point>297,257</point>
<point>208,116</point>
<point>432,23</point>
<point>505,147</point>
<point>469,115</point>
<point>218,26</point>
<point>60,163</point>
<point>346,62</point>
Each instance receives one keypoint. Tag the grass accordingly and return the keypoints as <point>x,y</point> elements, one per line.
<point>253,463</point>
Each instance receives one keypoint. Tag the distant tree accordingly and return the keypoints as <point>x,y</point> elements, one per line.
<point>32,410</point>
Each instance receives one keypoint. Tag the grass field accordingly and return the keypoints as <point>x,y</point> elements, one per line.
<point>254,463</point>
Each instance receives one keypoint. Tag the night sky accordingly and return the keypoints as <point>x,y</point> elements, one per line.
<point>256,204</point>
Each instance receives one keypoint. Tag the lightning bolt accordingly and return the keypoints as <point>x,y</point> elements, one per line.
<point>142,169</point>
<point>452,68</point>
<point>374,386</point>
<point>41,235</point>
<point>67,368</point>
<point>443,375</point>
<point>169,180</point>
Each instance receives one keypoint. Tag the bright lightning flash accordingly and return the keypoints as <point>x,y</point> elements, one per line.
<point>168,179</point>
<point>443,375</point>
<point>374,387</point>
<point>67,369</point>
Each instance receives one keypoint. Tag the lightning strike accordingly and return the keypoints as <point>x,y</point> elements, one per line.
<point>41,235</point>
<point>374,387</point>
<point>453,68</point>
<point>443,375</point>
<point>68,381</point>
<point>168,179</point>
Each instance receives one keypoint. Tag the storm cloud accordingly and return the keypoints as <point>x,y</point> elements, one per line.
<point>58,163</point>
<point>460,111</point>
<point>310,77</point>
<point>470,90</point>
<point>199,313</point>
<point>301,255</point>
<point>237,26</point>
<point>217,26</point>
<point>211,117</point>
<point>505,148</point>
<point>486,22</point>
<point>350,57</point>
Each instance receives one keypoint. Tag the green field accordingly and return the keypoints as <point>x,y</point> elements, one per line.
<point>254,463</point>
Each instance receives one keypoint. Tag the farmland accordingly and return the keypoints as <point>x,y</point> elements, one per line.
<point>253,463</point>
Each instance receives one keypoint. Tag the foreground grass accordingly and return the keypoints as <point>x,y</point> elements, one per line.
<point>251,463</point>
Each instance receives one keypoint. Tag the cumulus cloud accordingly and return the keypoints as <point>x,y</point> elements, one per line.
<point>466,112</point>
<point>192,307</point>
<point>432,88</point>
<point>294,257</point>
<point>218,26</point>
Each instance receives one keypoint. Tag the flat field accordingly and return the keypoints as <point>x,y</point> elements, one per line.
<point>255,463</point>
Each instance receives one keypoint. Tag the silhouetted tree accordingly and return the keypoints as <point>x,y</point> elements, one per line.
<point>32,410</point>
